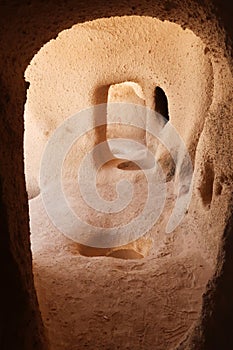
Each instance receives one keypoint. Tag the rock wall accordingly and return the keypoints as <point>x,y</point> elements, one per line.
<point>25,28</point>
<point>104,52</point>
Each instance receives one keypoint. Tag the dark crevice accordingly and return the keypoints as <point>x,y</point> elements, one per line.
<point>161,103</point>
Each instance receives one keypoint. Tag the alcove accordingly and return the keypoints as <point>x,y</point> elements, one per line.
<point>161,103</point>
<point>127,93</point>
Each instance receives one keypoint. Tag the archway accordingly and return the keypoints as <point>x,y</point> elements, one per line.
<point>42,120</point>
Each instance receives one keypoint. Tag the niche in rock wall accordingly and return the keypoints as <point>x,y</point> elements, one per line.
<point>129,93</point>
<point>161,103</point>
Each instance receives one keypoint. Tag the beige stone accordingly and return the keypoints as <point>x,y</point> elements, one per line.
<point>180,295</point>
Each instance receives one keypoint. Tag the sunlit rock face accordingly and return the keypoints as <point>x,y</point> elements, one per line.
<point>139,92</point>
<point>86,65</point>
<point>119,60</point>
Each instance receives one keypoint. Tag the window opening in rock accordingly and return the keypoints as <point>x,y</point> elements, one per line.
<point>161,103</point>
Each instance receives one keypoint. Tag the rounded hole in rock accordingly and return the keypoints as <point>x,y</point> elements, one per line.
<point>128,165</point>
<point>75,280</point>
<point>125,254</point>
<point>161,103</point>
<point>163,157</point>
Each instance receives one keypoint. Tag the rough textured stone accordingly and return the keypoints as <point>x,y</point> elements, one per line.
<point>25,28</point>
